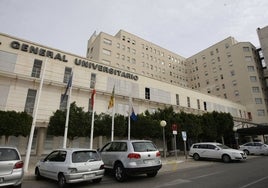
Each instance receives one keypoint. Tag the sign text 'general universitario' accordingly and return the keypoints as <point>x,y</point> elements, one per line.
<point>78,62</point>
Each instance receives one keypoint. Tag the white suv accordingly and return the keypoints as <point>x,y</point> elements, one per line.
<point>256,148</point>
<point>213,150</point>
<point>131,157</point>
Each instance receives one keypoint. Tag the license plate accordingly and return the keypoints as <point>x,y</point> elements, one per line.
<point>89,176</point>
<point>149,161</point>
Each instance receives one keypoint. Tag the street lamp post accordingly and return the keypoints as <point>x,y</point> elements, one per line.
<point>236,136</point>
<point>163,123</point>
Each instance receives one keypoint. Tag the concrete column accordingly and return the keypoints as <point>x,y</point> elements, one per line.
<point>41,135</point>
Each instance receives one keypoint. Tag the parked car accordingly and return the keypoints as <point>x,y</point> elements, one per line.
<point>71,165</point>
<point>11,167</point>
<point>131,157</point>
<point>256,148</point>
<point>211,150</point>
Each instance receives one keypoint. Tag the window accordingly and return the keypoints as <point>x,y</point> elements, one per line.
<point>211,53</point>
<point>198,104</point>
<point>232,72</point>
<point>261,112</point>
<point>251,68</point>
<point>107,41</point>
<point>258,100</point>
<point>92,80</point>
<point>107,52</point>
<point>67,74</point>
<point>234,82</point>
<point>255,89</point>
<point>248,58</point>
<point>253,78</point>
<point>118,45</point>
<point>236,93</point>
<point>105,61</point>
<point>30,100</point>
<point>37,68</point>
<point>147,93</point>
<point>188,102</point>
<point>205,106</point>
<point>246,49</point>
<point>177,99</point>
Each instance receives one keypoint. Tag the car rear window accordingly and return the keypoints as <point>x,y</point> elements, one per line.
<point>143,146</point>
<point>85,156</point>
<point>8,154</point>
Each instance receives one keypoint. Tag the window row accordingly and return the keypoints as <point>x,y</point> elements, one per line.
<point>126,48</point>
<point>129,40</point>
<point>127,58</point>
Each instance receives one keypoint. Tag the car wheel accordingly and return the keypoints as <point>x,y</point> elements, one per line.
<point>226,158</point>
<point>37,174</point>
<point>97,180</point>
<point>246,151</point>
<point>196,157</point>
<point>61,181</point>
<point>152,174</point>
<point>119,172</point>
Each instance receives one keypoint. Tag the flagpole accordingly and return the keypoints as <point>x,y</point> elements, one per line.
<point>112,131</point>
<point>29,147</point>
<point>112,105</point>
<point>129,112</point>
<point>67,115</point>
<point>92,120</point>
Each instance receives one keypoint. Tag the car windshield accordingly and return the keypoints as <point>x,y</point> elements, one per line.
<point>85,156</point>
<point>144,146</point>
<point>8,154</point>
<point>223,146</point>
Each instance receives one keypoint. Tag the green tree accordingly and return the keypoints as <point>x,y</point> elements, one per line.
<point>146,127</point>
<point>77,126</point>
<point>14,124</point>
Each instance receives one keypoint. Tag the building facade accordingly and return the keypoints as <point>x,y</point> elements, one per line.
<point>229,69</point>
<point>232,70</point>
<point>23,64</point>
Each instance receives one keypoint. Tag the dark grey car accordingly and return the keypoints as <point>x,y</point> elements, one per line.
<point>131,157</point>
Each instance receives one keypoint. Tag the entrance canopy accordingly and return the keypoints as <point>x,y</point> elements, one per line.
<point>258,130</point>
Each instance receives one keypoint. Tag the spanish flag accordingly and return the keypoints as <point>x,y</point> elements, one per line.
<point>111,102</point>
<point>93,97</point>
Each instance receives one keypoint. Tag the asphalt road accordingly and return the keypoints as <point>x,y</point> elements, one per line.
<point>252,173</point>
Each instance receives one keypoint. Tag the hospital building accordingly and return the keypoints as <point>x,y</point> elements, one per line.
<point>229,76</point>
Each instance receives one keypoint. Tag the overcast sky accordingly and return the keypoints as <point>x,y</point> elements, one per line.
<point>184,27</point>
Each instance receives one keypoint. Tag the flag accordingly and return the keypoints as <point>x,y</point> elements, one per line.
<point>92,97</point>
<point>133,115</point>
<point>111,102</point>
<point>69,84</point>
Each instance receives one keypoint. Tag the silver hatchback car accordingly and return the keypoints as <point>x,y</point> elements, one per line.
<point>131,157</point>
<point>71,165</point>
<point>11,167</point>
